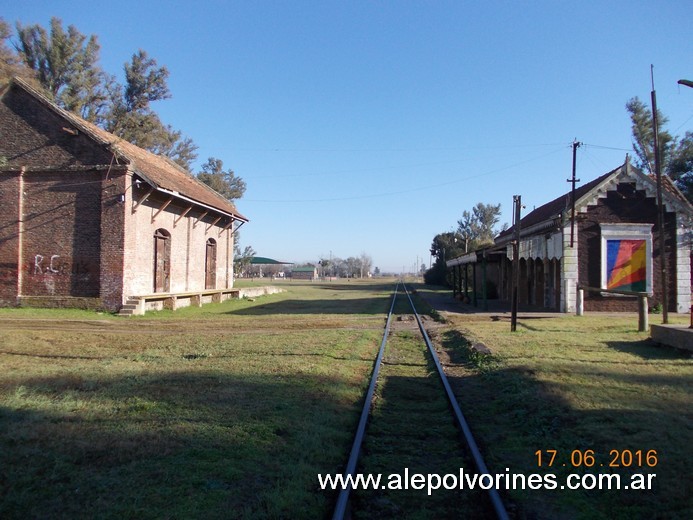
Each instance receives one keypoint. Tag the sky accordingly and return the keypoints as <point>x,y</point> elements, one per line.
<point>370,126</point>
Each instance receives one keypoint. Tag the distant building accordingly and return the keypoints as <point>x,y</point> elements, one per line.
<point>615,247</point>
<point>304,273</point>
<point>90,220</point>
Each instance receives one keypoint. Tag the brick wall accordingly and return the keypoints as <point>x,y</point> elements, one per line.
<point>32,134</point>
<point>62,234</point>
<point>112,244</point>
<point>9,233</point>
<point>70,208</point>
<point>188,239</point>
<point>625,205</point>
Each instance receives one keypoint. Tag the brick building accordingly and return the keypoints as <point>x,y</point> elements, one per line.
<point>90,220</point>
<point>615,247</point>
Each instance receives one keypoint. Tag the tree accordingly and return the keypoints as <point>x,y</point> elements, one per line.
<point>478,227</point>
<point>474,230</point>
<point>241,259</point>
<point>10,64</point>
<point>445,246</point>
<point>676,155</point>
<point>132,118</point>
<point>222,181</point>
<point>65,63</point>
<point>365,264</point>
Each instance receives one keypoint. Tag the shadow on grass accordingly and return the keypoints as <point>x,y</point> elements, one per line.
<point>373,305</point>
<point>648,349</point>
<point>183,445</point>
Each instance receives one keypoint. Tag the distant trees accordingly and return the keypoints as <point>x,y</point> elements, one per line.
<point>241,259</point>
<point>351,267</point>
<point>475,229</point>
<point>676,154</point>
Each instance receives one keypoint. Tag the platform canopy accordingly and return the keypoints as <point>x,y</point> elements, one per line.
<point>262,260</point>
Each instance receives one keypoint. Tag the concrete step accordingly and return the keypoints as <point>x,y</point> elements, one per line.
<point>130,307</point>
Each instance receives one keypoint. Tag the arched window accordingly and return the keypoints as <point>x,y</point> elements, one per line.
<point>162,260</point>
<point>211,264</point>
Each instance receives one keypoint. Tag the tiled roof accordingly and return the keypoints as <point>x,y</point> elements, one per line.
<point>156,169</point>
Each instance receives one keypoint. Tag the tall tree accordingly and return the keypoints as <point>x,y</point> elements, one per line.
<point>478,227</point>
<point>223,181</point>
<point>10,64</point>
<point>676,154</point>
<point>65,63</point>
<point>132,118</point>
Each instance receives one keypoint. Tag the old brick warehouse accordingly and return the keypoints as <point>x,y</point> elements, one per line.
<point>90,220</point>
<point>615,247</point>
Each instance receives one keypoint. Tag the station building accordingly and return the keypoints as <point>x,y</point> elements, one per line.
<point>90,220</point>
<point>613,245</point>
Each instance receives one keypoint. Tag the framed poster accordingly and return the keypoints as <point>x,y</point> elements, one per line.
<point>627,257</point>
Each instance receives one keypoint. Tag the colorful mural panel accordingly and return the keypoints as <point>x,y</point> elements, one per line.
<point>626,265</point>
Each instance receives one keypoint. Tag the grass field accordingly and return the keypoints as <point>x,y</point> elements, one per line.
<point>231,410</point>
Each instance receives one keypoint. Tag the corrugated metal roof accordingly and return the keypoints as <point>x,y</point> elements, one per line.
<point>263,260</point>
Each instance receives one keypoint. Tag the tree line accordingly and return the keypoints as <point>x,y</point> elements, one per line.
<point>64,64</point>
<point>351,267</point>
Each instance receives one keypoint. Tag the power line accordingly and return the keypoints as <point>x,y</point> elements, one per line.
<point>411,190</point>
<point>607,147</point>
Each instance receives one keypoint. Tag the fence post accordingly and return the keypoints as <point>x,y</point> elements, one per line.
<point>580,304</point>
<point>643,325</point>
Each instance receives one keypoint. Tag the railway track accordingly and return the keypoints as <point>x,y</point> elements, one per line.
<point>406,429</point>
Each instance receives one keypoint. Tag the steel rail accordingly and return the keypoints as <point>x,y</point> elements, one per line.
<point>498,506</point>
<point>343,497</point>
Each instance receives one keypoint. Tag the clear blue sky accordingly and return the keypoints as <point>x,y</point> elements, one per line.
<point>370,126</point>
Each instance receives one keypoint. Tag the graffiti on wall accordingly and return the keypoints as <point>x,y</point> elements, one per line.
<point>52,265</point>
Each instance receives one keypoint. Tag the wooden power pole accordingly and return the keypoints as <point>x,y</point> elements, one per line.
<point>517,201</point>
<point>660,209</point>
<point>574,181</point>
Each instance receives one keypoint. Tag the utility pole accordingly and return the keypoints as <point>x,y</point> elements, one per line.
<point>660,208</point>
<point>574,181</point>
<point>517,201</point>
<point>687,83</point>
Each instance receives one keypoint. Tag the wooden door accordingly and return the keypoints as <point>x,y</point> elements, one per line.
<point>162,261</point>
<point>211,265</point>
